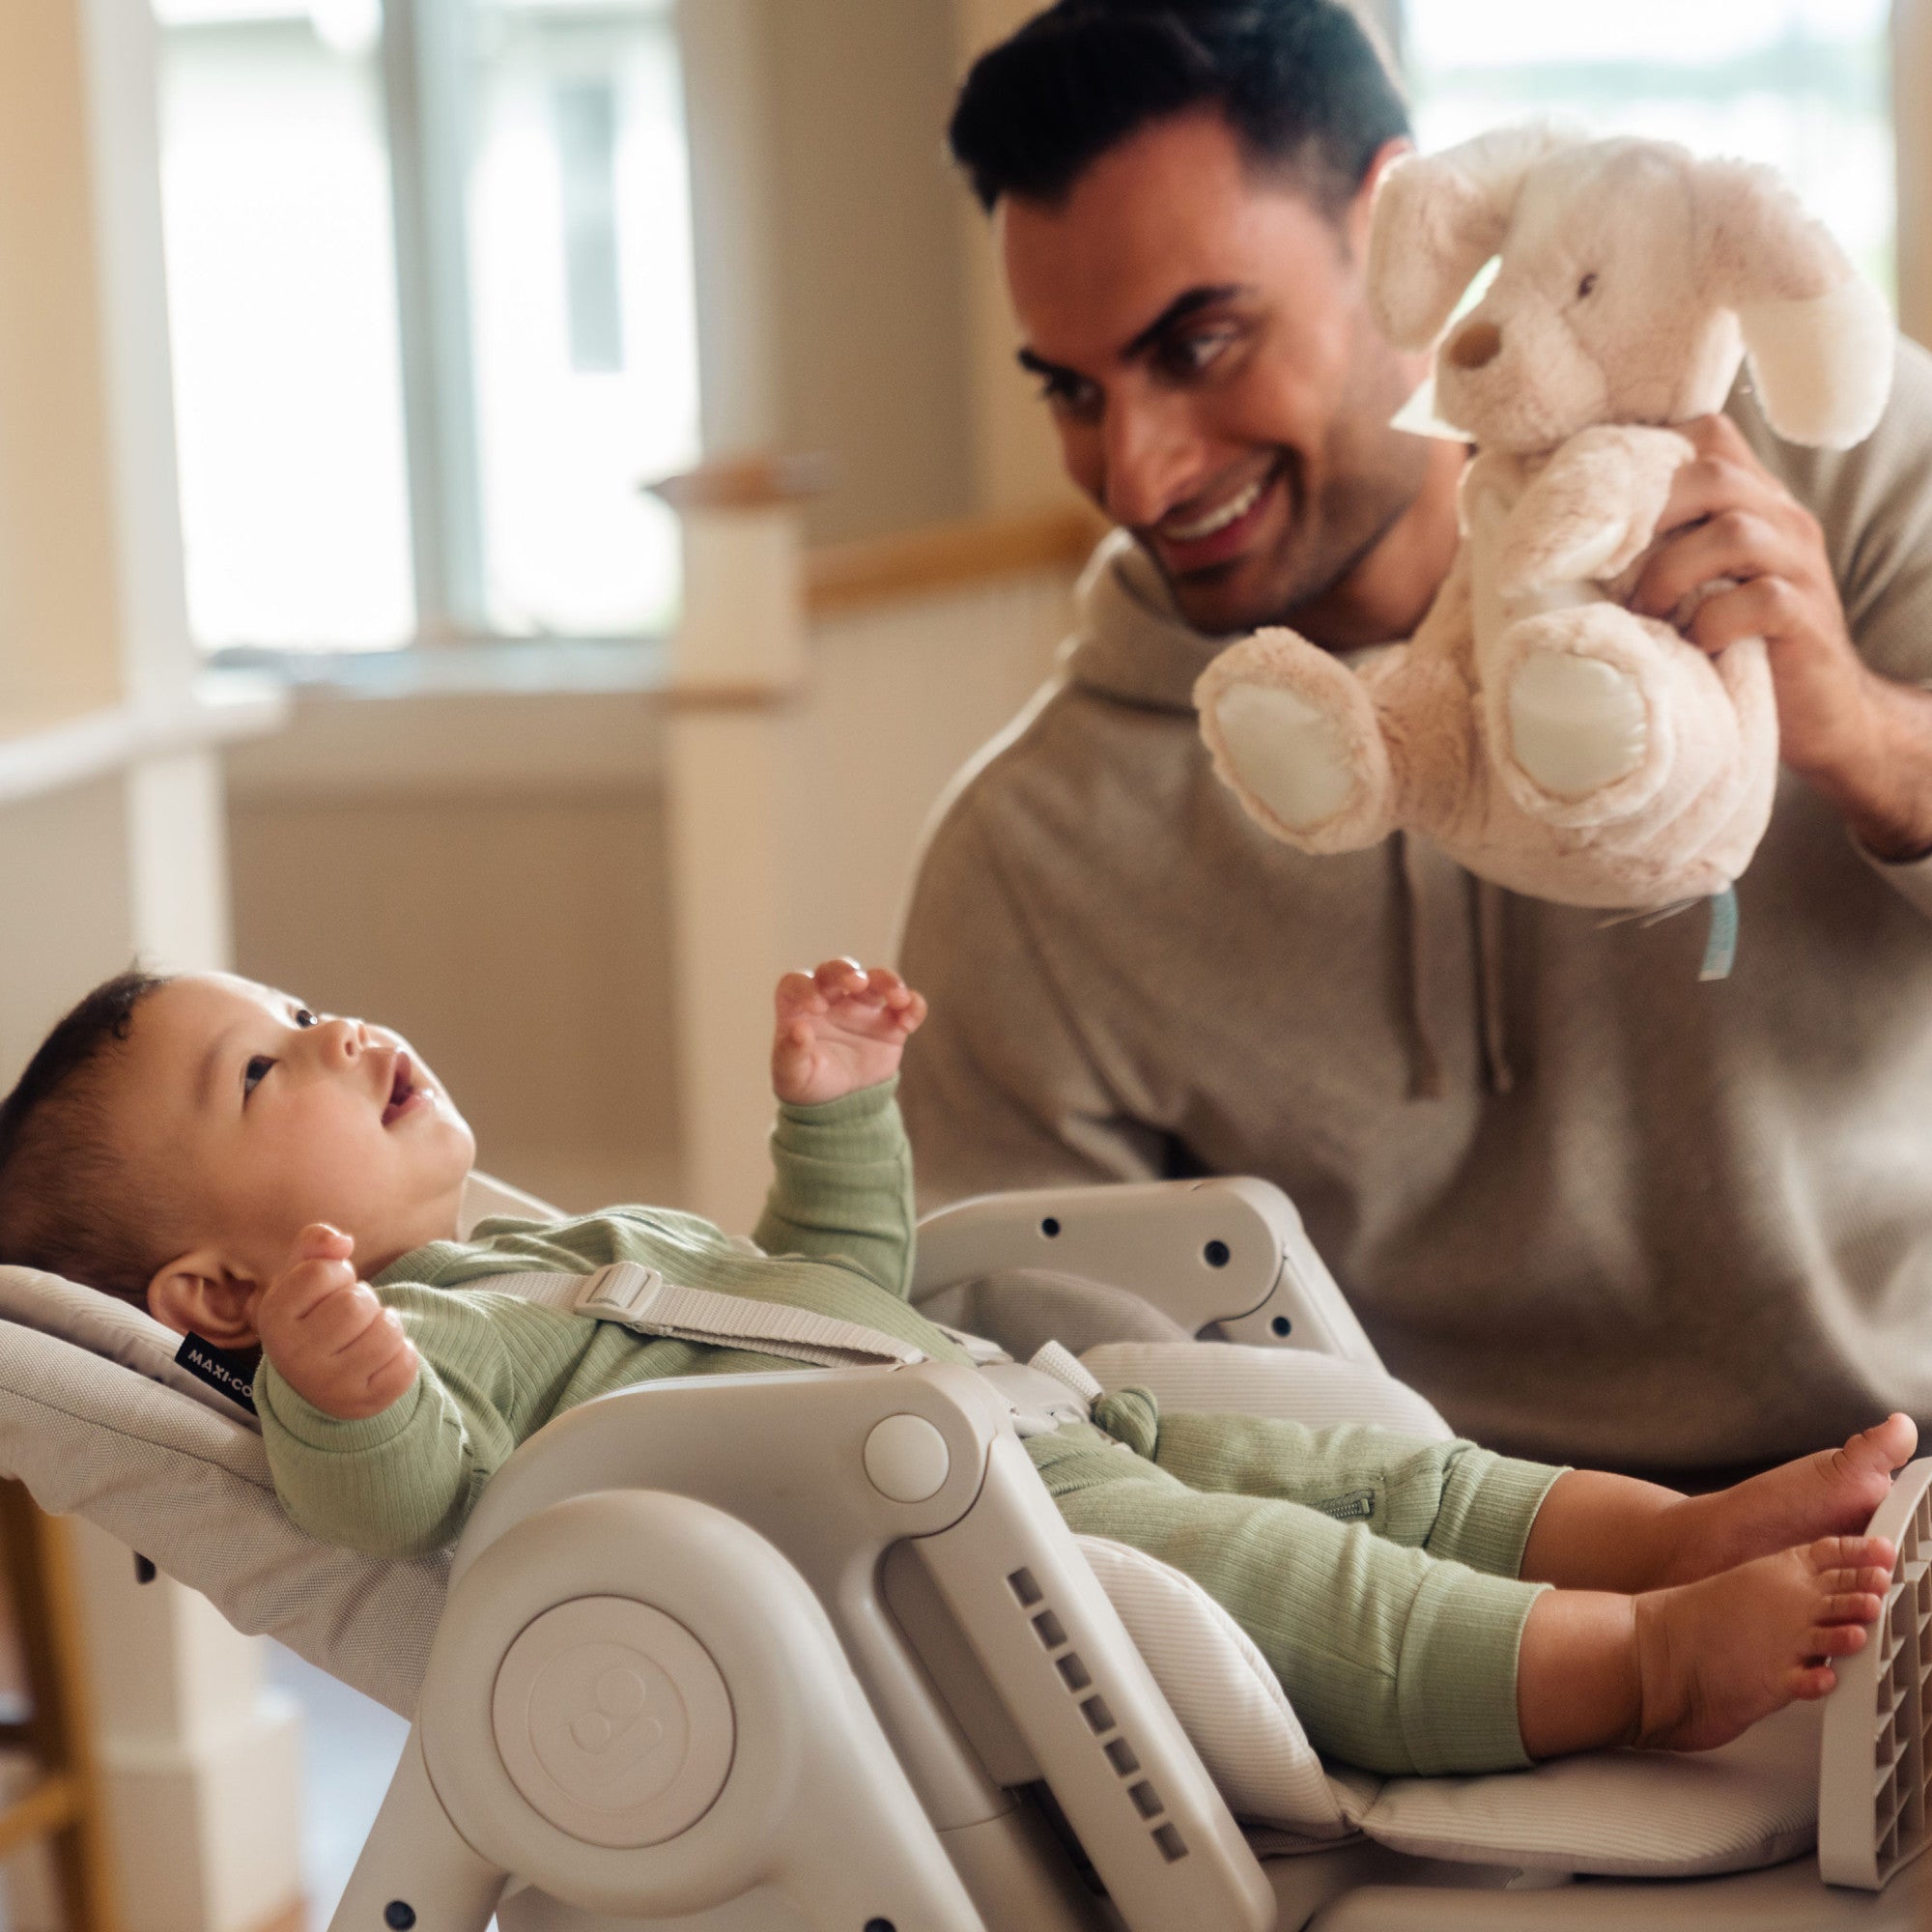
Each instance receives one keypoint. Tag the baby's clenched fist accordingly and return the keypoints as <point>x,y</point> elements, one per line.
<point>329,1337</point>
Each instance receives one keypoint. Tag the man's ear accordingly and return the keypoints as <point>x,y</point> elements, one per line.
<point>198,1293</point>
<point>1355,217</point>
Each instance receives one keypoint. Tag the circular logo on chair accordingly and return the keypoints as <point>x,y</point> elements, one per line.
<point>612,1722</point>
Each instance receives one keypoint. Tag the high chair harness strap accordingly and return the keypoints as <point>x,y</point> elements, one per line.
<point>641,1299</point>
<point>1050,1390</point>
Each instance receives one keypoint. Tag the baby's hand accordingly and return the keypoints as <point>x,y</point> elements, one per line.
<point>840,1027</point>
<point>331,1340</point>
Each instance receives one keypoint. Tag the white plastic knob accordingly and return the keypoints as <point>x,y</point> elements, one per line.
<point>612,1722</point>
<point>906,1459</point>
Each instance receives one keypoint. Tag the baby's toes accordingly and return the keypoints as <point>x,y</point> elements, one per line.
<point>1852,1552</point>
<point>1844,1639</point>
<point>1809,1681</point>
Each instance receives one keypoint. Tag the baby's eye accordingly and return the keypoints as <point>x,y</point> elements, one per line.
<point>305,1018</point>
<point>254,1073</point>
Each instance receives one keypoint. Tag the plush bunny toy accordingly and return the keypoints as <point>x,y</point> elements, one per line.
<point>1537,730</point>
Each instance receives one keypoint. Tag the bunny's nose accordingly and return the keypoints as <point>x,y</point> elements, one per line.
<point>1476,345</point>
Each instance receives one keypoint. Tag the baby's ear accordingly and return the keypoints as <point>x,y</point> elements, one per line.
<point>1438,220</point>
<point>198,1295</point>
<point>1818,335</point>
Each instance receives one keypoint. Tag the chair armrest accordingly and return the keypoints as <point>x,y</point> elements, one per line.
<point>1230,1254</point>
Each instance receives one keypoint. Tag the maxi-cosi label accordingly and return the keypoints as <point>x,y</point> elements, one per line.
<point>231,1374</point>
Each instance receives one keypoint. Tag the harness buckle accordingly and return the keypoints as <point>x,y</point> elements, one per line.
<point>619,1292</point>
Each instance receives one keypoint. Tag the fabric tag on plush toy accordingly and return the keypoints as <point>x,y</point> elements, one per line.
<point>1720,949</point>
<point>223,1368</point>
<point>1417,417</point>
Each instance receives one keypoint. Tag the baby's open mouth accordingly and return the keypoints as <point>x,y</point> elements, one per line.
<point>402,1088</point>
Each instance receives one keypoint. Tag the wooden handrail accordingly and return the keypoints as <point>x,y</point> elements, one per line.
<point>749,482</point>
<point>847,577</point>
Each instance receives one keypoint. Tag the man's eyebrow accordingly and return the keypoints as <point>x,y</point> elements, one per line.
<point>1189,303</point>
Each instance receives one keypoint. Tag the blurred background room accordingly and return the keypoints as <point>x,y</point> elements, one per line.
<point>342,639</point>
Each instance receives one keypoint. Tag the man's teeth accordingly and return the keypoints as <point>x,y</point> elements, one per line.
<point>1236,505</point>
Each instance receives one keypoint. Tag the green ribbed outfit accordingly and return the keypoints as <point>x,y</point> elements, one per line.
<point>1378,1573</point>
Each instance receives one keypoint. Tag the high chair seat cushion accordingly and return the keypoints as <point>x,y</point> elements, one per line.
<point>105,1326</point>
<point>1624,1814</point>
<point>1627,1814</point>
<point>1229,1703</point>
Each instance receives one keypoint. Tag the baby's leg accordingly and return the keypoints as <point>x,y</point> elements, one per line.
<point>1693,1667</point>
<point>1392,1660</point>
<point>1598,1532</point>
<point>1452,1499</point>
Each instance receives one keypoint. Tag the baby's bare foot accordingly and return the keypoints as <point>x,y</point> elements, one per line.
<point>1831,1493</point>
<point>1715,1655</point>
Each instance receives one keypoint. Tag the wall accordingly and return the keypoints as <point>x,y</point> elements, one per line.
<point>500,898</point>
<point>831,290</point>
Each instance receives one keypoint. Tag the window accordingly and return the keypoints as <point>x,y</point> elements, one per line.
<point>430,290</point>
<point>1802,84</point>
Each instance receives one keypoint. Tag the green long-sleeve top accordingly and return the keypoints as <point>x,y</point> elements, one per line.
<point>835,1238</point>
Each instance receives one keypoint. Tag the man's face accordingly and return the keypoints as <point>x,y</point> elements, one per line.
<point>1201,336</point>
<point>263,1116</point>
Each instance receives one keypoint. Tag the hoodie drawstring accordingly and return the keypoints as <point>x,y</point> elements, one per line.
<point>1425,1063</point>
<point>1499,1076</point>
<point>1417,942</point>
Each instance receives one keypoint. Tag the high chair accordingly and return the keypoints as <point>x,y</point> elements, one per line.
<point>752,1654</point>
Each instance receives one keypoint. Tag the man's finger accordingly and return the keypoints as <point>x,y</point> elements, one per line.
<point>1765,608</point>
<point>1735,543</point>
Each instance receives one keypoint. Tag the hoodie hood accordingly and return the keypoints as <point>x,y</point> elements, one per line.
<point>1129,643</point>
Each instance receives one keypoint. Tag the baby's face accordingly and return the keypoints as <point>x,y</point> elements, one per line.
<point>263,1116</point>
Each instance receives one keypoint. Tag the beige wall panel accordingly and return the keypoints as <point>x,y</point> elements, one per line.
<point>521,944</point>
<point>921,687</point>
<point>869,332</point>
<point>64,896</point>
<point>59,627</point>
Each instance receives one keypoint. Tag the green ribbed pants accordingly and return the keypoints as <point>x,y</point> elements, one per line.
<point>1376,1573</point>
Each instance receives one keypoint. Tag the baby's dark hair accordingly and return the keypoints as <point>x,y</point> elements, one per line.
<point>67,1202</point>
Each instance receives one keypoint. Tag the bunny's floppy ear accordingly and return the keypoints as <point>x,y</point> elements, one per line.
<point>1818,335</point>
<point>1438,220</point>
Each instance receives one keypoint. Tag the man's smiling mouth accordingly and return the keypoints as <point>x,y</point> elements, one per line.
<point>1237,505</point>
<point>1217,538</point>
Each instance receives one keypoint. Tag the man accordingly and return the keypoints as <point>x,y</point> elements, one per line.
<point>1592,1206</point>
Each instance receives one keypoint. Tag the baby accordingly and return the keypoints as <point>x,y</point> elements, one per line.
<point>262,1175</point>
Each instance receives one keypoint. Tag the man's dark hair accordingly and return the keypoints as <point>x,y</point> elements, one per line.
<point>1300,83</point>
<point>67,1204</point>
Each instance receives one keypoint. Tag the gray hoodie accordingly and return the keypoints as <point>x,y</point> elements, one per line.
<point>1594,1209</point>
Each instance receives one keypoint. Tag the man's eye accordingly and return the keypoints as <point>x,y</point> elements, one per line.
<point>254,1073</point>
<point>1069,396</point>
<point>1190,355</point>
<point>305,1018</point>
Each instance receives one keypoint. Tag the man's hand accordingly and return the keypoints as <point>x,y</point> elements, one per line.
<point>840,1027</point>
<point>1859,739</point>
<point>331,1340</point>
